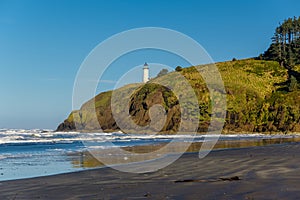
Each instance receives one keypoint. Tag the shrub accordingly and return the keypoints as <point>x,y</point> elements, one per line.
<point>293,85</point>
<point>178,69</point>
<point>162,72</point>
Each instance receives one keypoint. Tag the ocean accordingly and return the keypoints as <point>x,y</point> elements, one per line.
<point>36,152</point>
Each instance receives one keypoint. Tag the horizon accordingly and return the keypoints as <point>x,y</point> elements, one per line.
<point>44,44</point>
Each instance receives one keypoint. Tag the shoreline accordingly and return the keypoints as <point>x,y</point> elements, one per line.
<point>227,132</point>
<point>265,172</point>
<point>73,156</point>
<point>87,160</point>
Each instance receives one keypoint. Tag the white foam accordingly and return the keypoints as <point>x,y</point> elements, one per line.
<point>3,157</point>
<point>21,136</point>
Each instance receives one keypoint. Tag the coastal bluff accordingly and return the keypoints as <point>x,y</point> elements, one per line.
<point>260,98</point>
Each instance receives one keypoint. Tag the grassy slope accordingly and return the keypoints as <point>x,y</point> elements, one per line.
<point>256,99</point>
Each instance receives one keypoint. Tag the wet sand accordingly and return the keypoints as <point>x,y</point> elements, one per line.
<point>263,172</point>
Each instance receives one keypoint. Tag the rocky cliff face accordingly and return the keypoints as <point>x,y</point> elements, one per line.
<point>257,101</point>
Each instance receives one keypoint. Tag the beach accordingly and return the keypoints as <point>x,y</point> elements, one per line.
<point>261,172</point>
<point>162,100</point>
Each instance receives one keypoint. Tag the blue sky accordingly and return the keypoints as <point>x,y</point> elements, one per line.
<point>43,43</point>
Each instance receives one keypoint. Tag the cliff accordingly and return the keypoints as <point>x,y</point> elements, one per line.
<point>259,99</point>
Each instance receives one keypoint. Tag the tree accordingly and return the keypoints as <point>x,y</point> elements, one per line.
<point>178,69</point>
<point>162,72</point>
<point>285,43</point>
<point>293,85</point>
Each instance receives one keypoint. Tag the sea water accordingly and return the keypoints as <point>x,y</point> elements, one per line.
<point>33,153</point>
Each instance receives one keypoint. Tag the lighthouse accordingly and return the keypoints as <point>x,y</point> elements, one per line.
<point>145,73</point>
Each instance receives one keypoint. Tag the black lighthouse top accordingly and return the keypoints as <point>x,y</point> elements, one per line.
<point>146,65</point>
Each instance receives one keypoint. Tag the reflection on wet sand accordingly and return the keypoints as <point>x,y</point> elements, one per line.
<point>143,153</point>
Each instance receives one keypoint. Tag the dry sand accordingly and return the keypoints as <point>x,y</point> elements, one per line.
<point>268,172</point>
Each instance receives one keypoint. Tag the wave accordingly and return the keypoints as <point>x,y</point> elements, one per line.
<point>42,136</point>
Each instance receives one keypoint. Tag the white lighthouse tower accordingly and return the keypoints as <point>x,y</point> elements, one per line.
<point>145,73</point>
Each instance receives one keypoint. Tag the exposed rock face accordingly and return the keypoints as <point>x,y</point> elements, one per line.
<point>256,102</point>
<point>66,126</point>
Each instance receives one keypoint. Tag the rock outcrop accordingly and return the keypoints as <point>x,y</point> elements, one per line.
<point>258,100</point>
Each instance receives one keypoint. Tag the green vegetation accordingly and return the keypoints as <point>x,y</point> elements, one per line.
<point>293,85</point>
<point>260,98</point>
<point>285,47</point>
<point>162,72</point>
<point>178,69</point>
<point>262,94</point>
